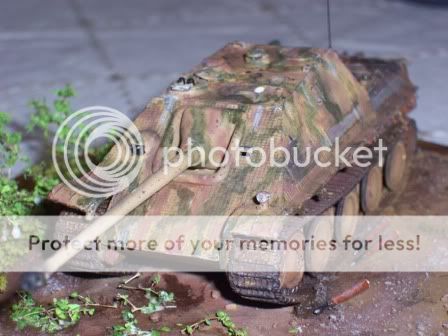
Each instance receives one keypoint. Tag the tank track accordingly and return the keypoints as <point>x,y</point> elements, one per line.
<point>84,261</point>
<point>266,287</point>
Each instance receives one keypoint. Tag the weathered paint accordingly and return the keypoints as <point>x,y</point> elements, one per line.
<point>309,97</point>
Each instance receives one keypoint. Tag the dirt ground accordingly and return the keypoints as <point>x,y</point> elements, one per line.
<point>396,303</point>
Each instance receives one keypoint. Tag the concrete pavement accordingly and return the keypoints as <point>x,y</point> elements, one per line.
<point>121,53</point>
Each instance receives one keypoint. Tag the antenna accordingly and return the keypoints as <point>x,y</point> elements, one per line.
<point>329,24</point>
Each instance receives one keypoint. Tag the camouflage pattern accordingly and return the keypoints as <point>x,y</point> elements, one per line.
<point>245,94</point>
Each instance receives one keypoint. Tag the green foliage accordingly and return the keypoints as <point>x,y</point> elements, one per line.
<point>157,300</point>
<point>226,322</point>
<point>295,330</point>
<point>155,279</point>
<point>66,312</point>
<point>45,117</point>
<point>223,318</point>
<point>45,179</point>
<point>14,201</point>
<point>9,145</point>
<point>40,178</point>
<point>62,314</point>
<point>43,176</point>
<point>130,327</point>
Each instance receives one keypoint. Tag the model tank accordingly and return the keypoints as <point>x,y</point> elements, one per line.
<point>247,94</point>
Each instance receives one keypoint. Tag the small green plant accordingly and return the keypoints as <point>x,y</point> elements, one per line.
<point>12,200</point>
<point>66,312</point>
<point>9,146</point>
<point>16,201</point>
<point>295,330</point>
<point>157,300</point>
<point>45,117</point>
<point>223,318</point>
<point>130,327</point>
<point>40,178</point>
<point>61,314</point>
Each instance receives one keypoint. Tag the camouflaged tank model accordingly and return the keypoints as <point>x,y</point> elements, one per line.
<point>248,93</point>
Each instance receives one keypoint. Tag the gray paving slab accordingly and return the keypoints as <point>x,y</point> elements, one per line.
<point>372,23</point>
<point>47,61</point>
<point>120,53</point>
<point>36,17</point>
<point>173,14</point>
<point>139,54</point>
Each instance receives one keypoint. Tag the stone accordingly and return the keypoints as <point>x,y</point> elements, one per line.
<point>231,307</point>
<point>444,299</point>
<point>155,317</point>
<point>215,294</point>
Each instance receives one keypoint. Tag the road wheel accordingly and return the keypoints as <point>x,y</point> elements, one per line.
<point>372,190</point>
<point>395,167</point>
<point>322,228</point>
<point>292,260</point>
<point>346,220</point>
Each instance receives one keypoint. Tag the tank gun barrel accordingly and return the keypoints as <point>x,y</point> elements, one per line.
<point>140,194</point>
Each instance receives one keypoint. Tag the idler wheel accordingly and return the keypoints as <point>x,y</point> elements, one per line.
<point>346,220</point>
<point>372,190</point>
<point>395,167</point>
